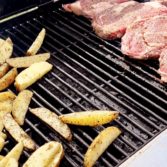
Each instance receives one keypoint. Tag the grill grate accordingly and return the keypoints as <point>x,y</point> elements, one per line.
<point>90,73</point>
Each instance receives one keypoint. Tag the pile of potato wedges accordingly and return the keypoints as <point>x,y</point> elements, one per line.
<point>13,110</point>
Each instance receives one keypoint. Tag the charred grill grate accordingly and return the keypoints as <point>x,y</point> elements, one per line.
<point>90,73</point>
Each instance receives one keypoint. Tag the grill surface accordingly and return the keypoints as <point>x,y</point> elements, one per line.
<point>89,73</point>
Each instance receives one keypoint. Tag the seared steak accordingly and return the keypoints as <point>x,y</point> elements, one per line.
<point>112,23</point>
<point>90,8</point>
<point>163,65</point>
<point>146,38</point>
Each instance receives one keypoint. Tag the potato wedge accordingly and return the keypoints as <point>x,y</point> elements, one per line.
<point>22,62</point>
<point>100,144</point>
<point>53,121</point>
<point>4,68</point>
<point>37,43</point>
<point>30,75</point>
<point>57,158</point>
<point>1,125</point>
<point>12,163</point>
<point>14,153</point>
<point>2,143</point>
<point>6,50</point>
<point>2,114</point>
<point>89,118</point>
<point>3,135</point>
<point>17,132</point>
<point>1,157</point>
<point>7,96</point>
<point>6,106</point>
<point>43,155</point>
<point>20,106</point>
<point>8,79</point>
<point>1,42</point>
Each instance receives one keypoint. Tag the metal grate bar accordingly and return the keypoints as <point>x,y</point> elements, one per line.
<point>119,150</point>
<point>90,73</point>
<point>81,140</point>
<point>46,139</point>
<point>67,107</point>
<point>135,83</point>
<point>96,107</point>
<point>107,43</point>
<point>70,109</point>
<point>154,103</point>
<point>66,23</point>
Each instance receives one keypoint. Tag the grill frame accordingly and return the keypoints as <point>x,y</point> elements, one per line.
<point>94,85</point>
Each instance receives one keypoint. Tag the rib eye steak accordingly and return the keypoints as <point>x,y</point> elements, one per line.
<point>146,38</point>
<point>112,23</point>
<point>90,8</point>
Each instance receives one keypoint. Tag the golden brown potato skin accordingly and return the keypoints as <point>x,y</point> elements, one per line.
<point>37,43</point>
<point>44,155</point>
<point>12,163</point>
<point>58,157</point>
<point>20,106</point>
<point>4,68</point>
<point>7,95</point>
<point>6,50</point>
<point>31,74</point>
<point>90,118</point>
<point>23,62</point>
<point>8,79</point>
<point>2,143</point>
<point>53,121</point>
<point>17,132</point>
<point>100,144</point>
<point>14,153</point>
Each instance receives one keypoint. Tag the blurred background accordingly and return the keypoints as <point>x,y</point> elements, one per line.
<point>11,6</point>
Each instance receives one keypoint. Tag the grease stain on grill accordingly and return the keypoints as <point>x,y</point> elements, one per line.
<point>134,129</point>
<point>125,147</point>
<point>157,85</point>
<point>86,105</point>
<point>139,121</point>
<point>110,90</point>
<point>109,102</point>
<point>132,139</point>
<point>121,63</point>
<point>98,103</point>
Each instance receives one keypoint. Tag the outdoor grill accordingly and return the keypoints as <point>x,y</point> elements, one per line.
<point>89,73</point>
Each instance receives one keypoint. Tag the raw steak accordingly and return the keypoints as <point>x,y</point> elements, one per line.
<point>90,8</point>
<point>164,2</point>
<point>146,38</point>
<point>112,23</point>
<point>163,65</point>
